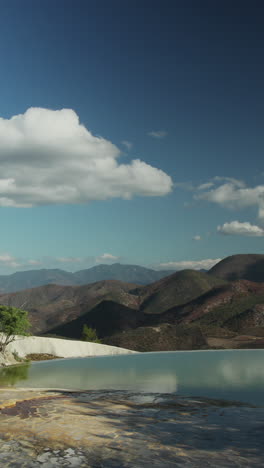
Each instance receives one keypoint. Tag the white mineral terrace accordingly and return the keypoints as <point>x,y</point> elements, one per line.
<point>61,348</point>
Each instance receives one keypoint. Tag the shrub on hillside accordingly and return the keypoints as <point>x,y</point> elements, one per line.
<point>89,334</point>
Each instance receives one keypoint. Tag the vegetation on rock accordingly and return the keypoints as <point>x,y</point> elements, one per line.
<point>89,334</point>
<point>12,375</point>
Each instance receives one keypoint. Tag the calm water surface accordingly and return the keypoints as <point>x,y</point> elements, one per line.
<point>236,375</point>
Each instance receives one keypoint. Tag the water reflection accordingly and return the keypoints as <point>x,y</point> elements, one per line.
<point>11,375</point>
<point>239,372</point>
<point>236,375</point>
<point>97,374</point>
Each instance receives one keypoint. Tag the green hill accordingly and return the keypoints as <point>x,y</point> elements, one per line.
<point>107,318</point>
<point>176,289</point>
<point>244,266</point>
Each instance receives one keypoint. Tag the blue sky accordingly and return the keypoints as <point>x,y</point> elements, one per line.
<point>176,86</point>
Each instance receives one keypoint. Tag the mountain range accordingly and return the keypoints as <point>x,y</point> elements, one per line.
<point>53,305</point>
<point>184,310</point>
<point>34,278</point>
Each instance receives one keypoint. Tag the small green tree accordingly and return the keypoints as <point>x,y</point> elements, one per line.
<point>12,322</point>
<point>89,334</point>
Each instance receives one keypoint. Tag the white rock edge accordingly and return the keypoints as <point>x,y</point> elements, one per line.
<point>23,346</point>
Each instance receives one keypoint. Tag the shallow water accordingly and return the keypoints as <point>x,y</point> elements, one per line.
<point>234,375</point>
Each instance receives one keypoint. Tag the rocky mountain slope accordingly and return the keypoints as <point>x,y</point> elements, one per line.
<point>218,306</point>
<point>223,312</point>
<point>53,305</point>
<point>176,289</point>
<point>228,316</point>
<point>165,337</point>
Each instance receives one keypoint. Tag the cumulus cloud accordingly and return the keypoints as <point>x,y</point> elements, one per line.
<point>234,194</point>
<point>107,258</point>
<point>8,261</point>
<point>158,134</point>
<point>235,228</point>
<point>190,264</point>
<point>127,144</point>
<point>197,238</point>
<point>48,157</point>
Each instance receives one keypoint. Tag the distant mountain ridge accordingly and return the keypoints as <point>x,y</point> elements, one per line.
<point>117,271</point>
<point>34,278</point>
<point>243,266</point>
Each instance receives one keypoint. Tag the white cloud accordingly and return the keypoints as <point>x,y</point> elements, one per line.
<point>234,194</point>
<point>232,180</point>
<point>8,261</point>
<point>197,238</point>
<point>68,263</point>
<point>190,264</point>
<point>235,228</point>
<point>205,186</point>
<point>158,134</point>
<point>69,259</point>
<point>127,144</point>
<point>48,157</point>
<point>34,262</point>
<point>107,258</point>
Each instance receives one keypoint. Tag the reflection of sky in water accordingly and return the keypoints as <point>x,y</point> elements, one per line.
<point>100,374</point>
<point>237,375</point>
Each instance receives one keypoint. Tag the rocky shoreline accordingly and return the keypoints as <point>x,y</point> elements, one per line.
<point>118,429</point>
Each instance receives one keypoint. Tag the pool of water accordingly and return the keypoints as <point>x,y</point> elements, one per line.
<point>234,375</point>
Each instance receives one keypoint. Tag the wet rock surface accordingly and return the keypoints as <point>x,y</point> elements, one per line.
<point>121,429</point>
